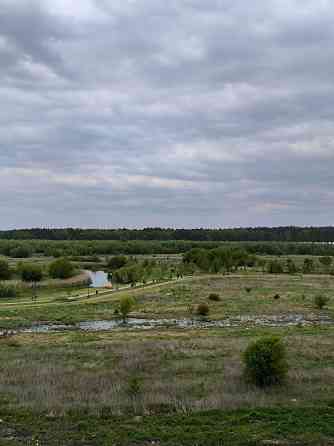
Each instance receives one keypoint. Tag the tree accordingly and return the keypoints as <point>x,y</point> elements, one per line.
<point>326,261</point>
<point>265,362</point>
<point>5,272</point>
<point>20,252</point>
<point>321,301</point>
<point>32,274</point>
<point>308,266</point>
<point>125,307</point>
<point>117,262</point>
<point>291,266</point>
<point>61,269</point>
<point>275,267</point>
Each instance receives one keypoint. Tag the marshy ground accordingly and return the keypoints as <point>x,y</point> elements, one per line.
<point>168,386</point>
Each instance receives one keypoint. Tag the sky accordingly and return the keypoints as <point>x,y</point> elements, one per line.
<point>178,113</point>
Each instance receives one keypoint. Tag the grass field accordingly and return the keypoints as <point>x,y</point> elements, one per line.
<point>168,386</point>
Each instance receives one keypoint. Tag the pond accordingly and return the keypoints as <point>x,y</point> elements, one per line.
<point>99,279</point>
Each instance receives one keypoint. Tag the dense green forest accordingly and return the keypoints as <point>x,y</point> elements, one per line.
<point>54,248</point>
<point>279,234</point>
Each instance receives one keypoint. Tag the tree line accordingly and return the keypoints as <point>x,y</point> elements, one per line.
<point>53,248</point>
<point>279,234</point>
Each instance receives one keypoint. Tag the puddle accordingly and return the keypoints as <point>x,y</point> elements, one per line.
<point>146,324</point>
<point>99,279</point>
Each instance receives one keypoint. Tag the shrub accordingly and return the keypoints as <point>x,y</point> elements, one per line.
<point>125,306</point>
<point>117,262</point>
<point>20,252</point>
<point>30,273</point>
<point>61,269</point>
<point>308,266</point>
<point>7,290</point>
<point>275,267</point>
<point>277,296</point>
<point>248,289</point>
<point>134,386</point>
<point>214,296</point>
<point>321,301</point>
<point>202,309</point>
<point>265,362</point>
<point>5,272</point>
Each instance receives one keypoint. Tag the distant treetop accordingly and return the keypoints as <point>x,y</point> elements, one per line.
<point>279,234</point>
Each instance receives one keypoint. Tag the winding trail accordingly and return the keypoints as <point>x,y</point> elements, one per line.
<point>101,296</point>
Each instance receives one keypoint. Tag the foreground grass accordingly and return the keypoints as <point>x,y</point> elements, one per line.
<point>279,426</point>
<point>166,387</point>
<point>158,371</point>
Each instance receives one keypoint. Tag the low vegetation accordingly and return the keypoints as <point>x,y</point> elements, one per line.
<point>256,351</point>
<point>265,362</point>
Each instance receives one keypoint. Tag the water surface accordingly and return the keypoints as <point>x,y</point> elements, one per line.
<point>99,279</point>
<point>145,324</point>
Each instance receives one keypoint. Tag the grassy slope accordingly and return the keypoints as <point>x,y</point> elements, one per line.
<point>78,388</point>
<point>186,385</point>
<point>173,301</point>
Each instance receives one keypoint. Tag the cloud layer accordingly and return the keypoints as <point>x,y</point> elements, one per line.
<point>179,113</point>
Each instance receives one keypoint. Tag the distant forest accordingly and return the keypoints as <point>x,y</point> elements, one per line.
<point>260,234</point>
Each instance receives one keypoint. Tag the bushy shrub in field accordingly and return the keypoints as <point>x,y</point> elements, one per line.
<point>5,272</point>
<point>321,301</point>
<point>125,306</point>
<point>248,289</point>
<point>202,309</point>
<point>117,262</point>
<point>214,296</point>
<point>275,267</point>
<point>20,252</point>
<point>291,266</point>
<point>277,296</point>
<point>30,272</point>
<point>308,266</point>
<point>61,268</point>
<point>7,290</point>
<point>265,362</point>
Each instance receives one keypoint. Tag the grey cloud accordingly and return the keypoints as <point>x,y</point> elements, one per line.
<point>185,113</point>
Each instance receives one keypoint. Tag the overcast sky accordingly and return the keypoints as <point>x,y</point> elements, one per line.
<point>182,113</point>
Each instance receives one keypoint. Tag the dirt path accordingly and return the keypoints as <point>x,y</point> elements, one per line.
<point>101,297</point>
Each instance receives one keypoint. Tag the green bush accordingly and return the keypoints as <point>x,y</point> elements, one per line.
<point>7,290</point>
<point>125,306</point>
<point>321,301</point>
<point>61,269</point>
<point>117,262</point>
<point>20,252</point>
<point>202,309</point>
<point>277,296</point>
<point>5,272</point>
<point>275,267</point>
<point>214,296</point>
<point>248,289</point>
<point>265,362</point>
<point>30,273</point>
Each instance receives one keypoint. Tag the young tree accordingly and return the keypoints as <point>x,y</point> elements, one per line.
<point>321,301</point>
<point>61,269</point>
<point>31,274</point>
<point>308,266</point>
<point>291,266</point>
<point>125,306</point>
<point>326,261</point>
<point>5,272</point>
<point>117,262</point>
<point>275,267</point>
